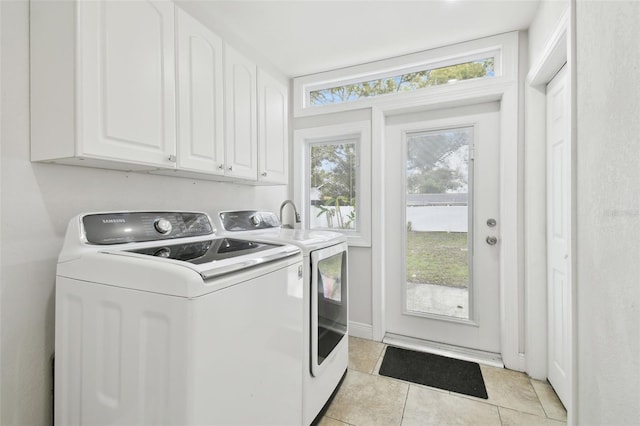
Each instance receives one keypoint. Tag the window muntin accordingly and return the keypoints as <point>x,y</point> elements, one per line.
<point>406,82</point>
<point>333,183</point>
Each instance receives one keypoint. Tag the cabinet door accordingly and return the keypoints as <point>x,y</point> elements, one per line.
<point>126,81</point>
<point>200,101</point>
<point>241,144</point>
<point>273,131</point>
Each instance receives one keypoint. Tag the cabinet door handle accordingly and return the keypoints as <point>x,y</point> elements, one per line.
<point>264,174</point>
<point>172,158</point>
<point>221,166</point>
<point>230,167</point>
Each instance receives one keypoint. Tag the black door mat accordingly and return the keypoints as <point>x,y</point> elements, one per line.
<point>434,370</point>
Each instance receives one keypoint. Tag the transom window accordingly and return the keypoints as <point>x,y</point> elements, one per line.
<point>427,75</point>
<point>406,82</point>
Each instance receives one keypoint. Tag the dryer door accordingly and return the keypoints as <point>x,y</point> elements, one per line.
<point>329,304</point>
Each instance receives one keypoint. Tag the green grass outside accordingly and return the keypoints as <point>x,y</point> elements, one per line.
<point>437,258</point>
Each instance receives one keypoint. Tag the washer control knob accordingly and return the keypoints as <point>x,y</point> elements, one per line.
<point>255,220</point>
<point>162,225</point>
<point>162,252</point>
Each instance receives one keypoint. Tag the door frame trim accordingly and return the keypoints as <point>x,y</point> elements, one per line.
<point>558,50</point>
<point>506,92</point>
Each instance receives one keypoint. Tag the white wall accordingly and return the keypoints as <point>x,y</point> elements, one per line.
<point>608,212</point>
<point>545,22</point>
<point>360,290</point>
<point>37,200</point>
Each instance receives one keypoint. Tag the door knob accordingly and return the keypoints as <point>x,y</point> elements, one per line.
<point>491,240</point>
<point>491,222</point>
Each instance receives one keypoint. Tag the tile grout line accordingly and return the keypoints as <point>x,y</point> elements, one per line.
<point>337,420</point>
<point>499,414</point>
<point>539,400</point>
<point>404,407</point>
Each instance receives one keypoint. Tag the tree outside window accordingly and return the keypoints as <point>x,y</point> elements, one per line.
<point>333,184</point>
<point>404,83</point>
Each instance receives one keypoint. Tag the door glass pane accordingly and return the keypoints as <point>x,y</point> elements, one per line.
<point>438,239</point>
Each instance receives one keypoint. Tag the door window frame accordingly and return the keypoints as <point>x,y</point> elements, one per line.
<point>503,89</point>
<point>510,210</point>
<point>472,309</point>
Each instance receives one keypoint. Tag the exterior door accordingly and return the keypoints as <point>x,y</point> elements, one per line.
<point>442,227</point>
<point>559,236</point>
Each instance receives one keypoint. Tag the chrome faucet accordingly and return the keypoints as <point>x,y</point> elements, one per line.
<point>295,213</point>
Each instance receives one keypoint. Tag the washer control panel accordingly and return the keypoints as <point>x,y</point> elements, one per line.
<point>129,227</point>
<point>248,220</point>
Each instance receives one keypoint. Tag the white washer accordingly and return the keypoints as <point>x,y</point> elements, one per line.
<point>158,321</point>
<point>326,312</point>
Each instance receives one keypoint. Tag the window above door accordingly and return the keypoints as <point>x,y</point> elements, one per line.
<point>464,66</point>
<point>402,81</point>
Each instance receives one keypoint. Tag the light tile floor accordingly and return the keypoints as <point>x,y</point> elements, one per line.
<point>367,398</point>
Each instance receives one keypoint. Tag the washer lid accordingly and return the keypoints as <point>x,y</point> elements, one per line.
<point>206,251</point>
<point>214,257</point>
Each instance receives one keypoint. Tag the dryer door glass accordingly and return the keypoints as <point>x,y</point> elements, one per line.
<point>331,299</point>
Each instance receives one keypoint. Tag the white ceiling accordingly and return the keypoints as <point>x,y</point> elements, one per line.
<point>302,37</point>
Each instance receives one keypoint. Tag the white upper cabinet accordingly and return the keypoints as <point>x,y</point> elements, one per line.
<point>142,85</point>
<point>200,97</point>
<point>241,135</point>
<point>273,130</point>
<point>103,83</point>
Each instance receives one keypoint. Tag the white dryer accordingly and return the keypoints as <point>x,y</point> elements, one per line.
<point>325,294</point>
<point>159,321</point>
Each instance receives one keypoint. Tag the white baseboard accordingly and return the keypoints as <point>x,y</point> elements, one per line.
<point>359,329</point>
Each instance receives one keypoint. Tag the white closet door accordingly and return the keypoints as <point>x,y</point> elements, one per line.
<point>559,235</point>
